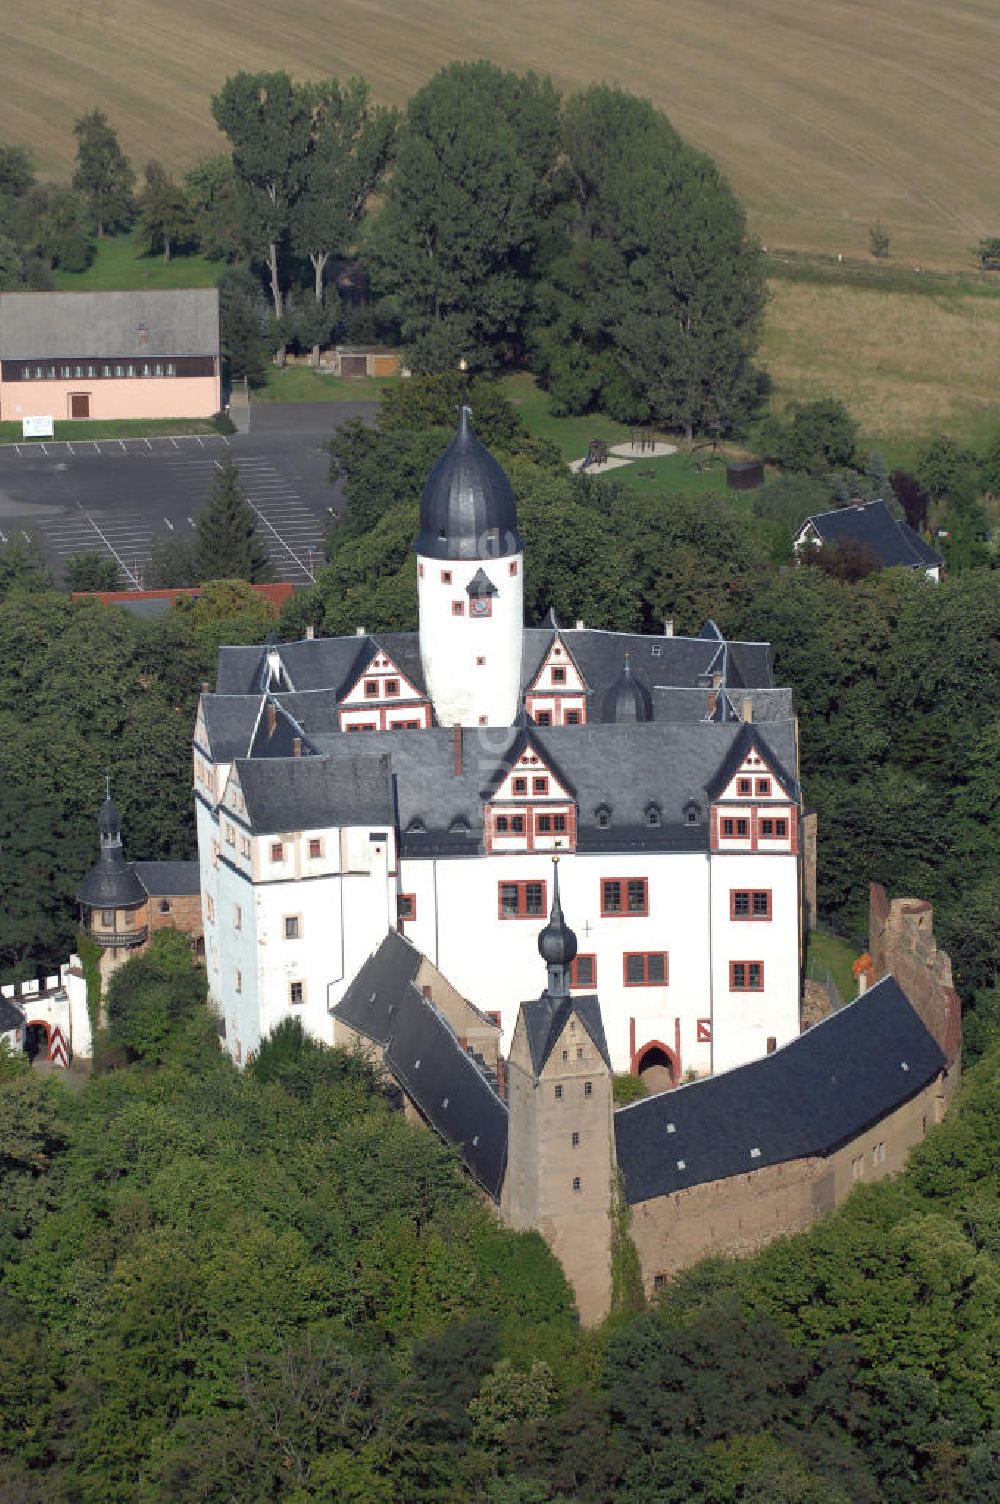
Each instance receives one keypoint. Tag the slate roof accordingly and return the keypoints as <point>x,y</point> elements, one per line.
<point>316,663</point>
<point>467,507</point>
<point>892,541</point>
<point>11,1018</point>
<point>102,324</point>
<point>621,768</point>
<point>169,879</point>
<point>111,882</point>
<point>824,1088</point>
<point>546,1017</point>
<point>749,739</point>
<point>230,720</point>
<point>371,1001</point>
<point>303,793</point>
<point>425,1056</point>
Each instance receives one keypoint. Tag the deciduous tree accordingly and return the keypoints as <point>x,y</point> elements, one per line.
<point>103,173</point>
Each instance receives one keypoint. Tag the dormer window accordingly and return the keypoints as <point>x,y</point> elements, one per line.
<point>416,826</point>
<point>653,815</point>
<point>603,817</point>
<point>459,826</point>
<point>691,814</point>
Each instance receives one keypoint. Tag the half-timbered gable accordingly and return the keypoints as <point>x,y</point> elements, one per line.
<point>754,801</point>
<point>557,695</point>
<point>383,698</point>
<point>533,807</point>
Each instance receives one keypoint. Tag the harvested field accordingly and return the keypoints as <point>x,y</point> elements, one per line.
<point>825,116</point>
<point>907,365</point>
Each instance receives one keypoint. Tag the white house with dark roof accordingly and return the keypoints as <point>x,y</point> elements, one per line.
<point>870,526</point>
<point>424,781</point>
<point>110,354</point>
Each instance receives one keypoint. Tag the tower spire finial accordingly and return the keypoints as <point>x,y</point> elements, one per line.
<point>557,942</point>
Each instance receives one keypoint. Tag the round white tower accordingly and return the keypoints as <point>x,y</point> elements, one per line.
<point>470,586</point>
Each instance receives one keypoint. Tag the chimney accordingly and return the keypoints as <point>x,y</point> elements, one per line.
<point>272,718</point>
<point>668,627</point>
<point>310,633</point>
<point>747,708</point>
<point>456,743</point>
<point>360,632</point>
<point>206,688</point>
<point>580,626</point>
<point>297,746</point>
<point>716,681</point>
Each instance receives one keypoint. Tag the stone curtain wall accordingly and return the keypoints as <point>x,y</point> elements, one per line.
<point>901,942</point>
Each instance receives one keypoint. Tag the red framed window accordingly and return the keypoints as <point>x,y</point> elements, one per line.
<point>646,968</point>
<point>750,903</point>
<point>446,576</point>
<point>746,976</point>
<point>624,895</point>
<point>392,686</point>
<point>361,726</point>
<point>583,971</point>
<point>277,851</point>
<point>539,785</point>
<point>512,568</point>
<point>744,786</point>
<point>521,900</point>
<point>543,718</point>
<point>406,906</point>
<point>371,689</point>
<point>458,608</point>
<point>492,1016</point>
<point>763,788</point>
<point>735,828</point>
<point>520,785</point>
<point>480,662</point>
<point>315,847</point>
<point>501,825</point>
<point>572,718</point>
<point>776,829</point>
<point>558,676</point>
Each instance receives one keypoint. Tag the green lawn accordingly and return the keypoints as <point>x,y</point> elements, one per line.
<point>121,265</point>
<point>675,472</point>
<point>829,955</point>
<point>122,428</point>
<point>302,384</point>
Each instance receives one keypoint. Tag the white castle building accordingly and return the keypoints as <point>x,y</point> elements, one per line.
<point>663,771</point>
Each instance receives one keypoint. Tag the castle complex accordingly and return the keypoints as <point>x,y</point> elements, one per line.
<point>393,829</point>
<point>349,786</point>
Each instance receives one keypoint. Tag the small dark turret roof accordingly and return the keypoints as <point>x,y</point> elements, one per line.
<point>111,883</point>
<point>628,700</point>
<point>468,509</point>
<point>481,584</point>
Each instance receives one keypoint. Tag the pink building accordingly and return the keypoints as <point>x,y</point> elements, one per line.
<point>109,354</point>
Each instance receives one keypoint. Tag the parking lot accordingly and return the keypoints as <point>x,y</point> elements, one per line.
<point>118,496</point>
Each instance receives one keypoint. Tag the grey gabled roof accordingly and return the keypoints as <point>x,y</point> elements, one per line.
<point>622,768</point>
<point>892,541</point>
<point>169,879</point>
<point>316,663</point>
<point>749,739</point>
<point>546,1017</point>
<point>315,793</point>
<point>426,1058</point>
<point>370,1003</point>
<point>230,720</point>
<point>145,325</point>
<point>824,1088</point>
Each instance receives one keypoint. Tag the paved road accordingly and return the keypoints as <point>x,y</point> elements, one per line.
<point>117,497</point>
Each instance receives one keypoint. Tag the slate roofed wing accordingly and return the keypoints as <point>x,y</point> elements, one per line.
<point>315,793</point>
<point>819,1091</point>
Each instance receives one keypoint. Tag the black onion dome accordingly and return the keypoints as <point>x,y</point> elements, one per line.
<point>468,509</point>
<point>557,942</point>
<point>628,700</point>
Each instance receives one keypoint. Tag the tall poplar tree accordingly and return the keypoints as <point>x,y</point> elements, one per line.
<point>227,543</point>
<point>351,141</point>
<point>103,172</point>
<point>268,120</point>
